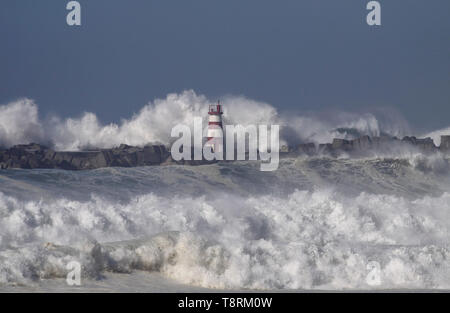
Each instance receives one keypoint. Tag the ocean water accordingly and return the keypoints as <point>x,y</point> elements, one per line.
<point>314,224</point>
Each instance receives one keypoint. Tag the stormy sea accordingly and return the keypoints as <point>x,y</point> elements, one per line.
<point>316,223</point>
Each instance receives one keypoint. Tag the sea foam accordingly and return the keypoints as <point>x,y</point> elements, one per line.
<point>307,240</point>
<point>20,123</point>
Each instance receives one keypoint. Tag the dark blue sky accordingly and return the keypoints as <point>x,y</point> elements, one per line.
<point>296,54</point>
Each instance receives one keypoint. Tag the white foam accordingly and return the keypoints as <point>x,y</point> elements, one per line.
<point>20,123</point>
<point>436,135</point>
<point>310,240</point>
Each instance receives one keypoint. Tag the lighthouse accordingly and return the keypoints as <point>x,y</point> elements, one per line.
<point>215,131</point>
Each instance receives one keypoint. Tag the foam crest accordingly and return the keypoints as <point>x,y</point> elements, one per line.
<point>310,240</point>
<point>20,123</point>
<point>436,135</point>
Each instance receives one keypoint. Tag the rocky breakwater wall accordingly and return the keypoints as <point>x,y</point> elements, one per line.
<point>367,146</point>
<point>37,156</point>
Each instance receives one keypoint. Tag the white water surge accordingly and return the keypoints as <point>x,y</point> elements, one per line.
<point>20,123</point>
<point>317,227</point>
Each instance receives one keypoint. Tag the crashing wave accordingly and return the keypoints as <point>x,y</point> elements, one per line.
<point>20,123</point>
<point>319,239</point>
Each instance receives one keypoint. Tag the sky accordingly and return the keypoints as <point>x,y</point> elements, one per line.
<point>297,55</point>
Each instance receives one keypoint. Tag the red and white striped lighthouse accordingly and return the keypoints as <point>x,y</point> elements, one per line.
<point>215,131</point>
